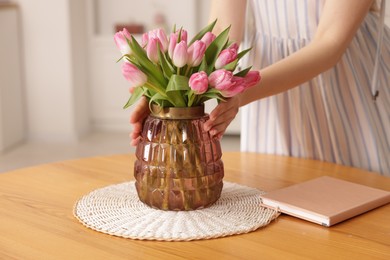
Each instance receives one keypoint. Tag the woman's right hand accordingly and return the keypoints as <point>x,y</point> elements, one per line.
<point>222,115</point>
<point>137,117</point>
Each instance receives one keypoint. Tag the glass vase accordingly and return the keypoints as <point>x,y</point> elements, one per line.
<point>178,165</point>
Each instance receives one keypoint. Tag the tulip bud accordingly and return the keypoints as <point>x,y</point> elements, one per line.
<point>234,46</point>
<point>221,79</point>
<point>134,75</point>
<point>184,35</point>
<point>145,39</point>
<point>225,57</point>
<point>208,38</point>
<point>173,40</point>
<point>252,78</point>
<point>120,39</point>
<point>162,37</point>
<point>195,53</point>
<point>172,44</point>
<point>241,84</point>
<point>199,82</point>
<point>152,50</point>
<point>180,55</point>
<point>236,88</point>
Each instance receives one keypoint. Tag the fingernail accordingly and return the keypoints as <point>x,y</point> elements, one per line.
<point>213,132</point>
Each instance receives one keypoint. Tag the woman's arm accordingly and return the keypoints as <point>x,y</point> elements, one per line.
<point>229,13</point>
<point>338,24</point>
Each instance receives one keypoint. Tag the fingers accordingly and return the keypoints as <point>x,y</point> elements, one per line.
<point>140,112</point>
<point>135,142</point>
<point>219,127</point>
<point>221,117</point>
<point>137,117</point>
<point>137,130</point>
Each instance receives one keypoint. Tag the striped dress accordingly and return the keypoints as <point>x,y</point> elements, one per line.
<point>331,118</point>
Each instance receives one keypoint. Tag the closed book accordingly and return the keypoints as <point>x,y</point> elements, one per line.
<point>326,200</point>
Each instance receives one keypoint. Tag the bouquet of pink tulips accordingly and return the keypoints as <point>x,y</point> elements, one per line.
<point>173,72</point>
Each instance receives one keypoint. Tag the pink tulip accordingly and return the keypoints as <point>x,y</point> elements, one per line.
<point>173,39</point>
<point>120,39</point>
<point>221,79</point>
<point>161,36</point>
<point>132,74</point>
<point>152,50</point>
<point>234,46</point>
<point>252,78</point>
<point>199,82</point>
<point>241,84</point>
<point>195,53</point>
<point>236,88</point>
<point>172,44</point>
<point>180,55</point>
<point>184,35</point>
<point>208,38</point>
<point>225,57</point>
<point>145,39</point>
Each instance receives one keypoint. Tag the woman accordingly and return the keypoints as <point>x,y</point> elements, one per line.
<point>315,99</point>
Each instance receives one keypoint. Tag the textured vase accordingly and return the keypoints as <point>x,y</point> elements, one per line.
<point>178,164</point>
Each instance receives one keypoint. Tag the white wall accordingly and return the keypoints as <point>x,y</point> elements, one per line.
<point>80,83</point>
<point>54,79</point>
<point>12,125</point>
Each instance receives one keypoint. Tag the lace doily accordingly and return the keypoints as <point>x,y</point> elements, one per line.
<point>116,210</point>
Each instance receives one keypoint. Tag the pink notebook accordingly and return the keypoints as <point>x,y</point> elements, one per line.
<point>326,200</point>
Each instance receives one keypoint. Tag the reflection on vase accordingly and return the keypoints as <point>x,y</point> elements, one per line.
<point>178,164</point>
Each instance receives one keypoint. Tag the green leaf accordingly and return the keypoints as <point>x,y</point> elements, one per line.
<point>242,53</point>
<point>137,94</point>
<point>178,82</point>
<point>167,69</point>
<point>231,66</point>
<point>212,91</point>
<point>215,48</point>
<point>176,88</point>
<point>179,36</point>
<point>207,96</point>
<point>120,59</point>
<point>200,34</point>
<point>243,73</point>
<point>191,97</point>
<point>203,66</point>
<point>146,65</point>
<point>158,99</point>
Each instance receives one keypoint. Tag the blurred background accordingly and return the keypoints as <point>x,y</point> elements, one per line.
<point>61,90</point>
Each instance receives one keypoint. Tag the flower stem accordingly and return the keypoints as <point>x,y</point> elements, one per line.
<point>187,71</point>
<point>156,89</point>
<point>191,98</point>
<point>160,91</point>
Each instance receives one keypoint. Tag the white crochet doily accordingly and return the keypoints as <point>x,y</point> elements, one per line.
<point>116,210</point>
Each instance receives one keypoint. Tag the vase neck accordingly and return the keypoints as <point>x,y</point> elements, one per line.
<point>177,112</point>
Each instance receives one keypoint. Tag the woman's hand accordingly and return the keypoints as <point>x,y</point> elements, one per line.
<point>137,117</point>
<point>222,115</point>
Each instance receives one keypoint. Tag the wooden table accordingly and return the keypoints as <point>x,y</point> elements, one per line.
<point>36,220</point>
